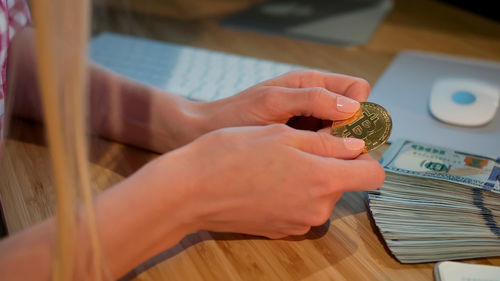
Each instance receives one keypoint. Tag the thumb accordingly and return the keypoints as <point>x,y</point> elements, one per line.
<point>317,102</point>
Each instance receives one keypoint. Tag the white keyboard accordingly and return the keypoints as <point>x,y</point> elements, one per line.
<point>194,73</point>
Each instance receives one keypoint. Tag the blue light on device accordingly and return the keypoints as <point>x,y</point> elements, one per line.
<point>463,97</point>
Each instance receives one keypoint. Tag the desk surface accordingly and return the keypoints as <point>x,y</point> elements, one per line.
<point>347,248</point>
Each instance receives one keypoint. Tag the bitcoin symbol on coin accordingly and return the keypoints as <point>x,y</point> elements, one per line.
<point>372,123</point>
<point>362,127</point>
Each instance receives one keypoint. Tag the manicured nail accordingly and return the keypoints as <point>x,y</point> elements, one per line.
<point>347,105</point>
<point>354,144</point>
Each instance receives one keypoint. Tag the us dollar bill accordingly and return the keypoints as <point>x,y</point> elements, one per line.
<point>428,161</point>
<point>437,203</point>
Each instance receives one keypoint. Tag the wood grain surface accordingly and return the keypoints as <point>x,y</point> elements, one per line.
<point>347,247</point>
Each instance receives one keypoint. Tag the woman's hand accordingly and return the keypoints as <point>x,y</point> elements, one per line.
<point>161,121</point>
<point>305,99</point>
<point>133,113</point>
<point>272,180</point>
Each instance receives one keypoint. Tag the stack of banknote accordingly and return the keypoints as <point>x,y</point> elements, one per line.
<point>437,203</point>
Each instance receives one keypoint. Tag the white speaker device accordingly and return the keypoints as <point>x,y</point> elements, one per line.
<point>463,101</point>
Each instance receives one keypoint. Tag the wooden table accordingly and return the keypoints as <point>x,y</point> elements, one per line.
<point>347,248</point>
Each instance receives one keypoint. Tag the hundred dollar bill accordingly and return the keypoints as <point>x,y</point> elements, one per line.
<point>429,161</point>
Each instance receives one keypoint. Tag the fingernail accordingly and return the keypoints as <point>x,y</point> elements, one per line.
<point>354,144</point>
<point>347,105</point>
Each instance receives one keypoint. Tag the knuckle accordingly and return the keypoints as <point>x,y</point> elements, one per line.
<point>314,73</point>
<point>313,76</point>
<point>379,175</point>
<point>324,143</point>
<point>307,77</point>
<point>302,230</point>
<point>311,73</point>
<point>313,97</point>
<point>319,217</point>
<point>301,72</point>
<point>316,92</point>
<point>363,84</point>
<point>279,128</point>
<point>279,134</point>
<point>323,216</point>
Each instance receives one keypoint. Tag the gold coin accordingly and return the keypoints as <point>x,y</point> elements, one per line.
<point>372,123</point>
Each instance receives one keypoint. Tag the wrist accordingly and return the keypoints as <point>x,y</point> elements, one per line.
<point>172,186</point>
<point>152,208</point>
<point>186,120</point>
<point>175,121</point>
<point>214,115</point>
<point>185,181</point>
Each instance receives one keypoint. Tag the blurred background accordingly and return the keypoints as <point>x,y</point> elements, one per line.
<point>451,27</point>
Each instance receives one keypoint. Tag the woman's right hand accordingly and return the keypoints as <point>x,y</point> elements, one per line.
<point>272,181</point>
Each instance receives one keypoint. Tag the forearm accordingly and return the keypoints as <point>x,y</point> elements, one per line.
<point>148,214</point>
<point>119,108</point>
<point>136,220</point>
<point>28,255</point>
<point>133,113</point>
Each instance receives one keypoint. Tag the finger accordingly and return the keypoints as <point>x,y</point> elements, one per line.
<point>316,102</point>
<point>325,130</point>
<point>289,228</point>
<point>326,145</point>
<point>349,86</point>
<point>275,236</point>
<point>298,230</point>
<point>362,173</point>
